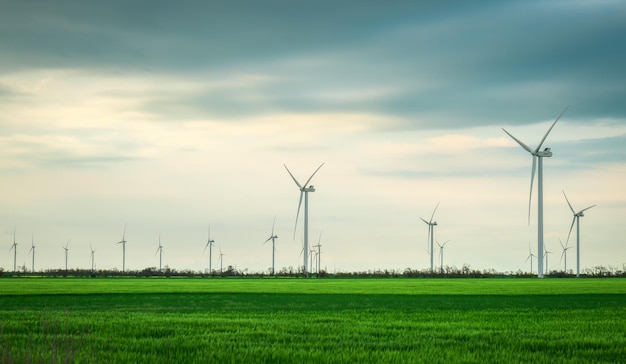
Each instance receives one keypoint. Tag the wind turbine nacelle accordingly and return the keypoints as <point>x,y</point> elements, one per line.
<point>545,153</point>
<point>309,189</point>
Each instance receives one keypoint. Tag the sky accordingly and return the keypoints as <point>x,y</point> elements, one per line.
<point>170,117</point>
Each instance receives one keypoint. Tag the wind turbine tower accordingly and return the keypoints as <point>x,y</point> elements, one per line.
<point>538,155</point>
<point>123,242</point>
<point>66,250</point>
<point>431,232</point>
<point>32,251</point>
<point>441,255</point>
<point>577,216</point>
<point>530,256</point>
<point>304,190</point>
<point>14,247</point>
<point>92,259</point>
<point>545,254</point>
<point>564,254</point>
<point>221,262</point>
<point>160,251</point>
<point>273,239</point>
<point>209,244</point>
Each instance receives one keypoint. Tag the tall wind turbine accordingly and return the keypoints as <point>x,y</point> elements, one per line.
<point>530,256</point>
<point>210,244</point>
<point>272,238</point>
<point>14,247</point>
<point>564,254</point>
<point>92,259</point>
<point>66,250</point>
<point>304,190</point>
<point>431,232</point>
<point>538,155</point>
<point>123,242</point>
<point>160,251</point>
<point>577,216</point>
<point>441,254</point>
<point>32,251</point>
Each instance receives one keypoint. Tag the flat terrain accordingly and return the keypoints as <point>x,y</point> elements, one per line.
<point>316,320</point>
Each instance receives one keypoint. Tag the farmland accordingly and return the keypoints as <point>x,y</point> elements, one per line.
<point>324,320</point>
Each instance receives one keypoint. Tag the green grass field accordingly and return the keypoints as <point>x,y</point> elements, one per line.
<point>400,320</point>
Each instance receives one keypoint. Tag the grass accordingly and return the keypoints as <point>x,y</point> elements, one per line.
<point>297,320</point>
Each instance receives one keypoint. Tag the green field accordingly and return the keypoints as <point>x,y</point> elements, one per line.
<point>160,320</point>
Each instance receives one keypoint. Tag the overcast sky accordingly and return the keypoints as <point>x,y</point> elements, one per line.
<point>170,116</point>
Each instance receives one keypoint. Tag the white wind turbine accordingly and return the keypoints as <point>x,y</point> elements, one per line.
<point>273,239</point>
<point>431,232</point>
<point>92,258</point>
<point>564,254</point>
<point>304,190</point>
<point>318,254</point>
<point>545,254</point>
<point>441,254</point>
<point>209,244</point>
<point>66,250</point>
<point>14,247</point>
<point>530,256</point>
<point>32,251</point>
<point>123,242</point>
<point>577,216</point>
<point>160,251</point>
<point>221,261</point>
<point>538,155</point>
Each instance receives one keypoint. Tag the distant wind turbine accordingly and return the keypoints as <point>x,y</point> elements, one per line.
<point>273,239</point>
<point>318,254</point>
<point>221,261</point>
<point>160,251</point>
<point>123,242</point>
<point>538,155</point>
<point>14,247</point>
<point>545,254</point>
<point>530,256</point>
<point>441,254</point>
<point>577,216</point>
<point>304,190</point>
<point>564,254</point>
<point>431,232</point>
<point>209,244</point>
<point>66,250</point>
<point>32,251</point>
<point>92,259</point>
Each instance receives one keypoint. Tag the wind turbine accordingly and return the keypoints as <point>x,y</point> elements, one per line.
<point>545,254</point>
<point>209,244</point>
<point>564,254</point>
<point>441,254</point>
<point>14,247</point>
<point>304,190</point>
<point>577,216</point>
<point>318,254</point>
<point>123,242</point>
<point>431,232</point>
<point>66,250</point>
<point>272,238</point>
<point>32,251</point>
<point>538,155</point>
<point>92,259</point>
<point>530,256</point>
<point>160,251</point>
<point>221,261</point>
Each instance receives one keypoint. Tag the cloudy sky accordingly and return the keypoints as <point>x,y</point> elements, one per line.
<point>170,116</point>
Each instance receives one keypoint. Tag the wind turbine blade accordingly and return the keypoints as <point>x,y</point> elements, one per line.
<point>124,233</point>
<point>426,222</point>
<point>586,209</point>
<point>433,215</point>
<point>268,239</point>
<point>569,204</point>
<point>294,178</point>
<point>552,126</point>
<point>320,238</point>
<point>532,180</point>
<point>560,242</point>
<point>519,142</point>
<point>570,230</point>
<point>297,214</point>
<point>273,223</point>
<point>309,180</point>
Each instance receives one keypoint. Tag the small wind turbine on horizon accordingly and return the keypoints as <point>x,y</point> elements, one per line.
<point>441,254</point>
<point>273,239</point>
<point>538,155</point>
<point>14,247</point>
<point>530,256</point>
<point>304,190</point>
<point>564,254</point>
<point>318,254</point>
<point>32,251</point>
<point>123,242</point>
<point>221,261</point>
<point>209,244</point>
<point>92,258</point>
<point>545,254</point>
<point>160,251</point>
<point>66,250</point>
<point>577,216</point>
<point>431,232</point>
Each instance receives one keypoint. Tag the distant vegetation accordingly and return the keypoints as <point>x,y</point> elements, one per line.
<point>448,272</point>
